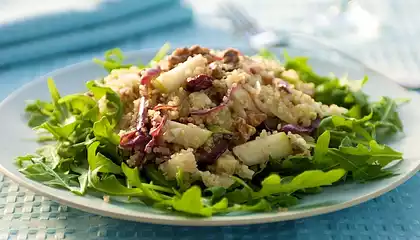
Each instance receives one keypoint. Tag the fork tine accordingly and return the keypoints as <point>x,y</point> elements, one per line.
<point>239,19</point>
<point>238,25</point>
<point>242,16</point>
<point>245,20</point>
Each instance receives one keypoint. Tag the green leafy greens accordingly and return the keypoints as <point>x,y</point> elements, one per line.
<point>85,155</point>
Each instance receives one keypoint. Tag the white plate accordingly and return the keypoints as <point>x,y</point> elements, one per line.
<point>16,140</point>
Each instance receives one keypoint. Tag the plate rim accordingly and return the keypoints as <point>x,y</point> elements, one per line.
<point>157,218</point>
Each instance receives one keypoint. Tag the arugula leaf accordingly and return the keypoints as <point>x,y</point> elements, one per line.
<point>355,112</point>
<point>113,60</point>
<point>133,177</point>
<point>50,154</point>
<point>282,200</point>
<point>305,72</point>
<point>239,195</point>
<point>343,92</point>
<point>365,162</point>
<point>115,110</point>
<point>91,115</point>
<point>348,162</point>
<point>357,165</point>
<point>104,132</point>
<point>79,103</point>
<point>291,165</point>
<point>308,179</point>
<point>55,95</point>
<point>354,125</point>
<point>39,112</point>
<point>217,193</point>
<point>53,117</point>
<point>341,127</point>
<point>39,170</point>
<point>386,120</point>
<point>190,202</point>
<point>99,162</point>
<point>83,181</point>
<point>61,110</point>
<point>163,51</point>
<point>156,177</point>
<point>371,172</point>
<point>22,160</point>
<point>60,131</point>
<point>220,206</point>
<point>109,184</point>
<point>321,148</point>
<point>378,154</point>
<point>261,206</point>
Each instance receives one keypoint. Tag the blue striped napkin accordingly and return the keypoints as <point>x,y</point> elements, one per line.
<point>111,22</point>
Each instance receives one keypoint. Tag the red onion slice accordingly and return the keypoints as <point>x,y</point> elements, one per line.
<point>132,139</point>
<point>142,117</point>
<point>155,132</point>
<point>149,75</point>
<point>299,129</point>
<point>165,107</point>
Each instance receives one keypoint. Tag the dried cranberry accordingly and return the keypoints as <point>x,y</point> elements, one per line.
<point>198,83</point>
<point>212,150</point>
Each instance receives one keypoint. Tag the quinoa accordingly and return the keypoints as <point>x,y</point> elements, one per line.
<point>239,94</point>
<point>184,160</point>
<point>299,144</point>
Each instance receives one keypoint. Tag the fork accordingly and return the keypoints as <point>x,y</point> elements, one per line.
<point>262,38</point>
<point>257,37</point>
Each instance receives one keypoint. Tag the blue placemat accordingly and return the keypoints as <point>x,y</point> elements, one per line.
<point>52,35</point>
<point>395,215</point>
<point>46,25</point>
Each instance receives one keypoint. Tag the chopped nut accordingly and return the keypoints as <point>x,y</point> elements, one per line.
<point>255,119</point>
<point>245,130</point>
<point>231,56</point>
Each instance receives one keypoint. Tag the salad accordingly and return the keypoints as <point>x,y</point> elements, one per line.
<point>204,132</point>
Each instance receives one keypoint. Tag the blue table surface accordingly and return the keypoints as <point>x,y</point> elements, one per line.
<point>25,215</point>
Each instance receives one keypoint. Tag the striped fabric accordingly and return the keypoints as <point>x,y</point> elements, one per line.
<point>107,25</point>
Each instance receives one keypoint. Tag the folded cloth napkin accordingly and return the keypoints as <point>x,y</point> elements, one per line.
<point>112,22</point>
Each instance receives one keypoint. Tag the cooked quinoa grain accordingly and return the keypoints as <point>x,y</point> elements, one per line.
<point>200,104</point>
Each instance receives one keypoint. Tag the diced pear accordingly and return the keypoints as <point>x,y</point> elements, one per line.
<point>173,79</point>
<point>185,135</point>
<point>258,151</point>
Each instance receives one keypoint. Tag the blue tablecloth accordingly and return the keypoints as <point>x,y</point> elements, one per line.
<point>25,215</point>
